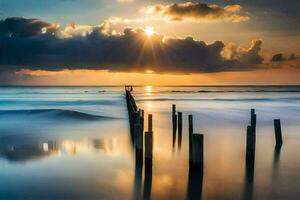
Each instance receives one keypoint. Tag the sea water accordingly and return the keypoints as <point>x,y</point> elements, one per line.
<point>75,143</point>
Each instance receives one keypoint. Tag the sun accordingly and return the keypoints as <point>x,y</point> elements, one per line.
<point>149,30</point>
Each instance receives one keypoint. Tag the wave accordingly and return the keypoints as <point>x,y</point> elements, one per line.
<point>105,102</point>
<point>57,114</point>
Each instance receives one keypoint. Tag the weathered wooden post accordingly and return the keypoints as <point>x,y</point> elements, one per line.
<point>197,150</point>
<point>131,88</point>
<point>138,137</point>
<point>278,135</point>
<point>149,122</point>
<point>174,120</point>
<point>195,184</point>
<point>139,149</point>
<point>148,147</point>
<point>142,120</point>
<point>173,109</point>
<point>190,136</point>
<point>179,122</point>
<point>137,190</point>
<point>148,160</point>
<point>250,145</point>
<point>174,140</point>
<point>191,124</point>
<point>147,182</point>
<point>252,111</point>
<point>179,129</point>
<point>253,120</point>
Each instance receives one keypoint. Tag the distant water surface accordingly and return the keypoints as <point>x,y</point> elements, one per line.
<point>74,143</point>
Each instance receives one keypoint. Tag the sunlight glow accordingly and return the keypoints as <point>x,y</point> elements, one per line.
<point>149,107</point>
<point>149,30</point>
<point>149,71</point>
<point>148,88</point>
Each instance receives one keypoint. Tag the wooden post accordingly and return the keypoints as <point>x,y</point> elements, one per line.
<point>174,138</point>
<point>197,151</point>
<point>142,120</point>
<point>179,122</point>
<point>174,122</point>
<point>253,120</point>
<point>190,124</point>
<point>149,122</point>
<point>138,176</point>
<point>174,119</point>
<point>250,145</point>
<point>179,129</point>
<point>138,137</point>
<point>195,184</point>
<point>148,146</point>
<point>173,109</point>
<point>138,134</point>
<point>252,111</point>
<point>147,181</point>
<point>278,135</point>
<point>190,136</point>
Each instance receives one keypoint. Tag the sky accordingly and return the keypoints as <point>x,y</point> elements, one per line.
<point>115,42</point>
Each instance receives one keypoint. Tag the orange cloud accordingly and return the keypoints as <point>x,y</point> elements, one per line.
<point>198,12</point>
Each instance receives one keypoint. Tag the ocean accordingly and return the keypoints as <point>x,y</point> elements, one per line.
<point>75,143</point>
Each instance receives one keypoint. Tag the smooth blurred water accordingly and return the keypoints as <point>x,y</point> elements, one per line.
<point>74,143</point>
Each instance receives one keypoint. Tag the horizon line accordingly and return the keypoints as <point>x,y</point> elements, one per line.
<point>155,85</point>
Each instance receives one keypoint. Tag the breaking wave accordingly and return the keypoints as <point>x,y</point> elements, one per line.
<point>57,114</point>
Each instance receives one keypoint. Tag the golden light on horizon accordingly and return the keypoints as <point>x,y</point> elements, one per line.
<point>148,88</point>
<point>149,107</point>
<point>149,30</point>
<point>149,71</point>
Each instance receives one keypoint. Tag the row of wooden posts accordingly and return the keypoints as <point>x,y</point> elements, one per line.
<point>251,137</point>
<point>136,120</point>
<point>196,140</point>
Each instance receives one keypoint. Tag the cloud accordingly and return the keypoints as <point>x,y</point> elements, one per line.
<point>280,57</point>
<point>197,12</point>
<point>16,26</point>
<point>27,46</point>
<point>244,55</point>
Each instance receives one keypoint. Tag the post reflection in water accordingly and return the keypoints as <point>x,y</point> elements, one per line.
<point>249,181</point>
<point>179,139</point>
<point>174,140</point>
<point>276,159</point>
<point>275,170</point>
<point>148,180</point>
<point>195,183</point>
<point>137,188</point>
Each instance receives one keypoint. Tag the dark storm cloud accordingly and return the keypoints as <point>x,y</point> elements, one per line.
<point>34,44</point>
<point>280,57</point>
<point>16,26</point>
